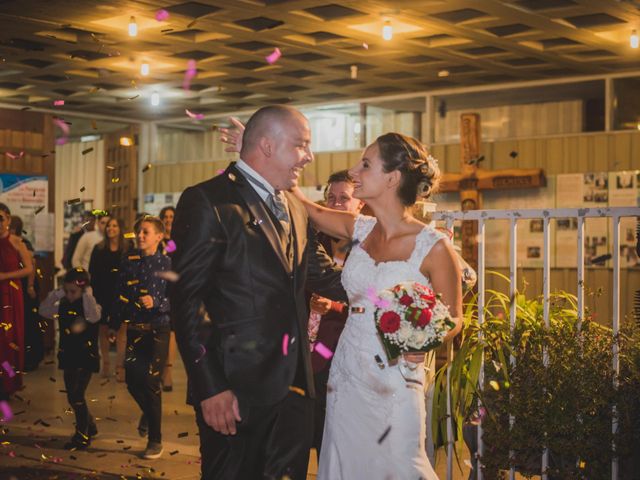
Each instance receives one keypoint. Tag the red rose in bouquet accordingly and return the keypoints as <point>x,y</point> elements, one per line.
<point>389,322</point>
<point>425,318</point>
<point>406,300</point>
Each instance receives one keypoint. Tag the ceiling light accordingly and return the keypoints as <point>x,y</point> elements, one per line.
<point>634,41</point>
<point>443,73</point>
<point>144,69</point>
<point>155,99</point>
<point>126,141</point>
<point>387,30</point>
<point>133,27</point>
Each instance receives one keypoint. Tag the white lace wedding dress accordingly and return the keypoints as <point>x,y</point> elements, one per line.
<point>375,423</point>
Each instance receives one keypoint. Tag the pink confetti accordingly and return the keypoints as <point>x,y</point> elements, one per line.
<point>285,344</point>
<point>13,156</point>
<point>190,74</point>
<point>58,103</point>
<point>203,351</point>
<point>162,15</point>
<point>62,125</point>
<point>5,409</point>
<point>171,246</point>
<point>377,301</point>
<point>323,351</point>
<point>195,116</point>
<point>9,369</point>
<point>274,56</point>
<point>12,454</point>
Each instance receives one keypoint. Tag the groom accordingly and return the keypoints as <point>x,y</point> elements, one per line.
<point>244,252</point>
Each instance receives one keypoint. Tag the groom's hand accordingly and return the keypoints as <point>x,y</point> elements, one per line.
<point>221,412</point>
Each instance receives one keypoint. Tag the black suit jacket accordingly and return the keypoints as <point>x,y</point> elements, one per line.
<point>231,260</point>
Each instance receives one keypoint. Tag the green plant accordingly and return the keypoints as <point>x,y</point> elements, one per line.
<point>558,390</point>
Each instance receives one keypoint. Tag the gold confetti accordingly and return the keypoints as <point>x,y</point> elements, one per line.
<point>130,235</point>
<point>115,179</point>
<point>495,385</point>
<point>14,284</point>
<point>146,168</point>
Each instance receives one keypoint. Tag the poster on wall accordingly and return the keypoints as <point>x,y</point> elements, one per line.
<point>154,202</point>
<point>73,218</point>
<point>25,195</point>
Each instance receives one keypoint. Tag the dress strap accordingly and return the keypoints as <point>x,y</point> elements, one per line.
<point>425,240</point>
<point>363,226</point>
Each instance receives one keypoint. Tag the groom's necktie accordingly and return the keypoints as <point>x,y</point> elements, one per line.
<point>278,205</point>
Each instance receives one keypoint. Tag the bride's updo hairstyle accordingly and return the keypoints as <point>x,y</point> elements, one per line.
<point>420,172</point>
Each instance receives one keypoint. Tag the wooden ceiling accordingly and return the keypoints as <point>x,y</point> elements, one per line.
<point>80,51</point>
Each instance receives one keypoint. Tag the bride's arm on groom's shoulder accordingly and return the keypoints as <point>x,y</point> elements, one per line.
<point>335,223</point>
<point>441,267</point>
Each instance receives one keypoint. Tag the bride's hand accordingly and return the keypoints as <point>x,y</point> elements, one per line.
<point>232,137</point>
<point>414,357</point>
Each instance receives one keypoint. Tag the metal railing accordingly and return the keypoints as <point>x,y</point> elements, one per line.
<point>483,216</point>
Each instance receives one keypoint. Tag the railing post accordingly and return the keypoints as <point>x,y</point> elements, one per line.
<point>616,329</point>
<point>513,278</point>
<point>481,300</point>
<point>546,286</point>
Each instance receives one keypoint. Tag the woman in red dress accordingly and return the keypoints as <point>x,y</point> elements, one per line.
<point>15,263</point>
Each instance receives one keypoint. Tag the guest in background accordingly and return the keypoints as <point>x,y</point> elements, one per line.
<point>15,264</point>
<point>82,254</point>
<point>88,224</point>
<point>104,268</point>
<point>166,216</point>
<point>143,302</point>
<point>33,339</point>
<point>78,314</point>
<point>327,318</point>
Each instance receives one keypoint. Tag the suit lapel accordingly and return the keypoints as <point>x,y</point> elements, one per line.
<point>259,212</point>
<point>298,217</point>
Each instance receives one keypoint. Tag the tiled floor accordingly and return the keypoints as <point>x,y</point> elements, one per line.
<point>31,443</point>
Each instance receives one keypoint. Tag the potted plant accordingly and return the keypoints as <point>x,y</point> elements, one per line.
<point>558,392</point>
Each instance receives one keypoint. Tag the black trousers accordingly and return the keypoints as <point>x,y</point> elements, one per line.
<point>76,381</point>
<point>271,442</point>
<point>320,380</point>
<point>146,354</point>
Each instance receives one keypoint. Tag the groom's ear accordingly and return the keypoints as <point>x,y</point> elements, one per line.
<point>266,146</point>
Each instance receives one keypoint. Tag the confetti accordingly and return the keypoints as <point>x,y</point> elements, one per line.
<point>173,453</point>
<point>72,201</point>
<point>354,72</point>
<point>88,150</point>
<point>189,75</point>
<point>377,301</point>
<point>94,125</point>
<point>203,351</point>
<point>162,15</point>
<point>365,45</point>
<point>285,344</point>
<point>146,168</point>
<point>5,410</point>
<point>62,125</point>
<point>169,276</point>
<point>384,435</point>
<point>322,350</point>
<point>129,235</point>
<point>495,385</point>
<point>134,97</point>
<point>297,390</point>
<point>82,189</point>
<point>58,103</point>
<point>195,116</point>
<point>14,156</point>
<point>171,246</point>
<point>115,179</point>
<point>274,56</point>
<point>9,369</point>
<point>52,379</point>
<point>183,434</point>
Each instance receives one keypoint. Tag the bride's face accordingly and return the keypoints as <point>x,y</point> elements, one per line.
<point>369,178</point>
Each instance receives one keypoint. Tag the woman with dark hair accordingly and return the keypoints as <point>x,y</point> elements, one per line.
<point>15,264</point>
<point>166,217</point>
<point>33,338</point>
<point>104,266</point>
<point>365,400</point>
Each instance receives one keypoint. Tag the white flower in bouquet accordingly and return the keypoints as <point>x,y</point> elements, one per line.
<point>404,332</point>
<point>418,338</point>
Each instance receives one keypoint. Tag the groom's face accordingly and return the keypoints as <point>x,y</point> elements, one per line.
<point>292,152</point>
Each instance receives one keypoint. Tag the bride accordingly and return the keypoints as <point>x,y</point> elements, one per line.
<point>375,423</point>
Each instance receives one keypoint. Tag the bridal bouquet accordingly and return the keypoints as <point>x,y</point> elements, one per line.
<point>410,317</point>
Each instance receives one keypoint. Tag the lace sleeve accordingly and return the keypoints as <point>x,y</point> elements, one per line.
<point>362,227</point>
<point>425,241</point>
